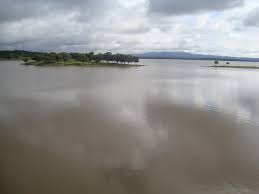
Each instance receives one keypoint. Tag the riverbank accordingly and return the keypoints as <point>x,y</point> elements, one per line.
<point>78,63</point>
<point>234,66</point>
<point>3,59</point>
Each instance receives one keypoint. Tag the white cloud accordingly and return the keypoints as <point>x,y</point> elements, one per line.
<point>127,26</point>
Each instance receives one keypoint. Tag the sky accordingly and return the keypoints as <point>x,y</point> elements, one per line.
<point>220,27</point>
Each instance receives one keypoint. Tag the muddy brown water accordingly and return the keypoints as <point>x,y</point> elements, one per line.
<point>172,126</point>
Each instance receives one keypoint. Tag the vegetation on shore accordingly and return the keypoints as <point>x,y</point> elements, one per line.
<point>227,65</point>
<point>70,59</point>
<point>79,63</point>
<point>234,66</point>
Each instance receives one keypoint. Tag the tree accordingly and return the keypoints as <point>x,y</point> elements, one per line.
<point>52,57</point>
<point>117,58</point>
<point>59,57</point>
<point>83,58</point>
<point>38,57</point>
<point>90,56</point>
<point>25,60</point>
<point>136,59</point>
<point>65,56</point>
<point>107,57</point>
<point>98,58</point>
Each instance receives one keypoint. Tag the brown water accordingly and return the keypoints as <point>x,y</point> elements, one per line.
<point>170,127</point>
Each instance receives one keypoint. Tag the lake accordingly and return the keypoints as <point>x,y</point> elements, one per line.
<point>172,126</point>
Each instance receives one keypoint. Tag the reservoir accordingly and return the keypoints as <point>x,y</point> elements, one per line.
<point>172,126</point>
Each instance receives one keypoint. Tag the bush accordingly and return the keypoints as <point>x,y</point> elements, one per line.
<point>25,60</point>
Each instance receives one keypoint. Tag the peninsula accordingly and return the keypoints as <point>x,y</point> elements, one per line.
<point>71,59</point>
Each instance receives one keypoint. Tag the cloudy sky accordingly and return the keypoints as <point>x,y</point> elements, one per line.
<point>223,27</point>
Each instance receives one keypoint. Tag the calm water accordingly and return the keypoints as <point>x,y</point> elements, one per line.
<point>170,127</point>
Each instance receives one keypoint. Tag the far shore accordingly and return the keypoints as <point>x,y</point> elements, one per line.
<point>3,59</point>
<point>78,63</point>
<point>235,66</point>
<point>62,59</point>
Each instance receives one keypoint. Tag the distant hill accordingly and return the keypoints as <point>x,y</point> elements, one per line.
<point>190,56</point>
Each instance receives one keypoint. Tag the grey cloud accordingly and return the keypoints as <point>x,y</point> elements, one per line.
<point>79,25</point>
<point>52,24</point>
<point>176,7</point>
<point>253,18</point>
<point>13,10</point>
<point>126,25</point>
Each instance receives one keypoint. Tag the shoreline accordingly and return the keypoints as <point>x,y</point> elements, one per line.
<point>79,64</point>
<point>234,66</point>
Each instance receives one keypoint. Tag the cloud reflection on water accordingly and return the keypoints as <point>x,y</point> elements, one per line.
<point>140,133</point>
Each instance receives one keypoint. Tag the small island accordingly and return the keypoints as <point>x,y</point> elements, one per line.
<point>71,59</point>
<point>235,66</point>
<point>227,65</point>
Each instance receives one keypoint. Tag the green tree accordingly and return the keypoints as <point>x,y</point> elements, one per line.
<point>107,56</point>
<point>25,60</point>
<point>66,56</point>
<point>136,59</point>
<point>98,58</point>
<point>90,56</point>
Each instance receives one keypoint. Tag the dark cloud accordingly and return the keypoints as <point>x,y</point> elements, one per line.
<point>253,18</point>
<point>176,7</point>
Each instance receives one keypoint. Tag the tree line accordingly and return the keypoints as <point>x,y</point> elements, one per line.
<point>52,57</point>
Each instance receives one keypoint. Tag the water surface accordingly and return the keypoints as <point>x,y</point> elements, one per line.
<point>172,126</point>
